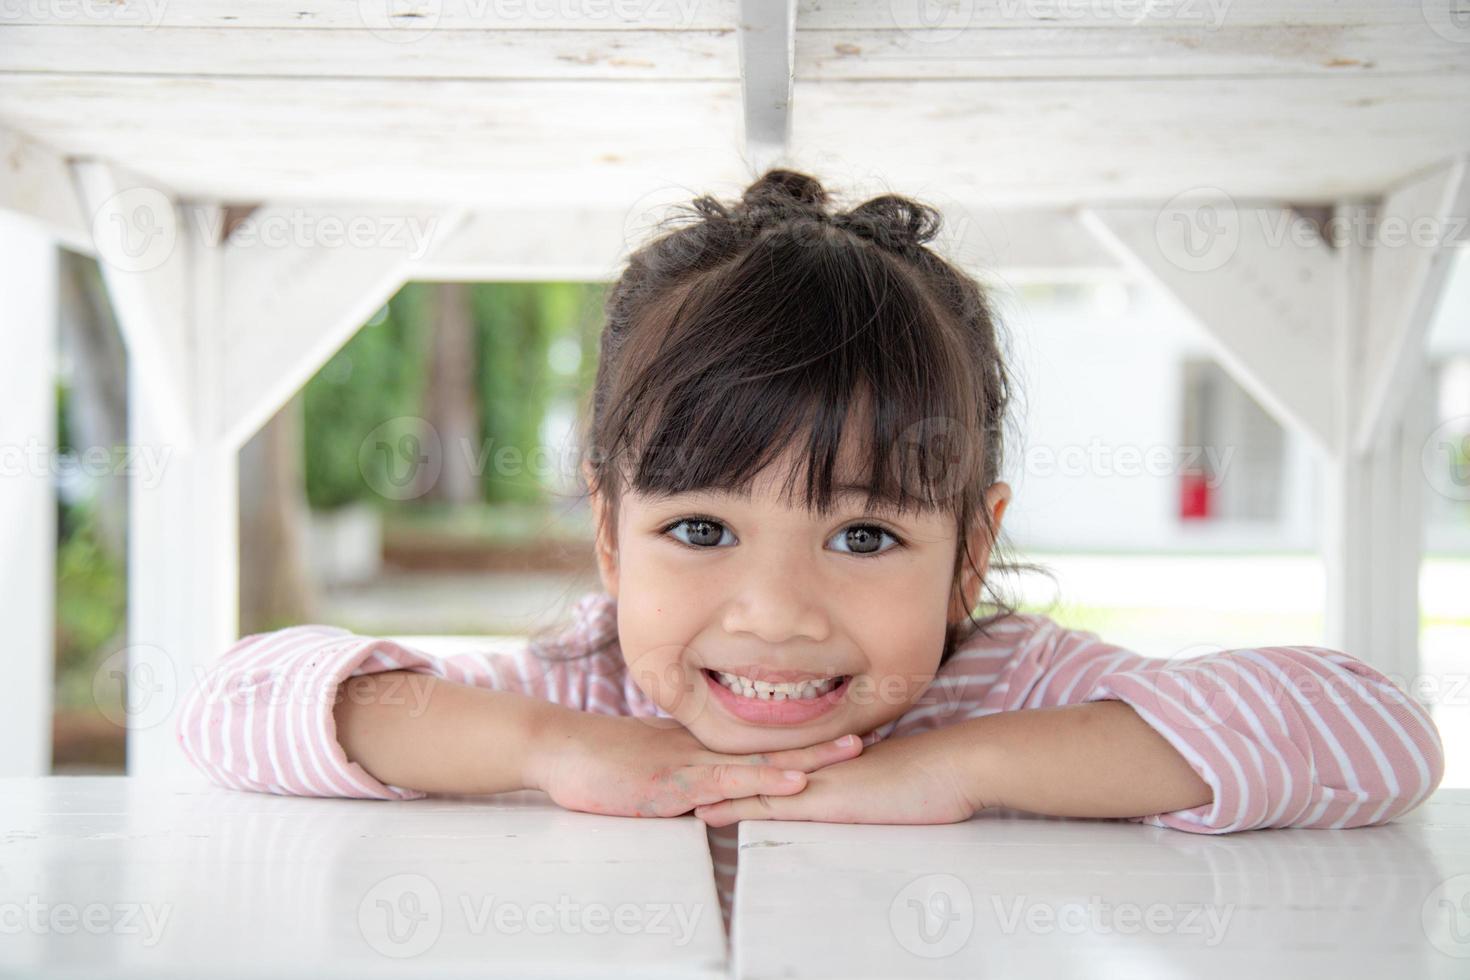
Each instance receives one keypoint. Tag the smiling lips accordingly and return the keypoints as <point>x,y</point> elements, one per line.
<point>776,697</point>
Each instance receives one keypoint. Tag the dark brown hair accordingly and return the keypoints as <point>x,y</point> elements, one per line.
<point>743,327</point>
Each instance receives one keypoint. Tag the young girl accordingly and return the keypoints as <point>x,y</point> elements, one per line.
<point>763,651</point>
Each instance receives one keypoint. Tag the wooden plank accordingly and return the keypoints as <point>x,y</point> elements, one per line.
<point>488,886</point>
<point>405,22</point>
<point>595,142</point>
<point>357,53</point>
<point>36,182</point>
<point>1032,142</point>
<point>1180,15</point>
<point>29,290</point>
<point>417,17</point>
<point>767,41</point>
<point>1004,895</point>
<point>1234,51</point>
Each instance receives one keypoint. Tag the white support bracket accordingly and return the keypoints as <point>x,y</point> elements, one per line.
<point>1416,226</point>
<point>141,238</point>
<point>297,282</point>
<point>767,38</point>
<point>1260,288</point>
<point>36,182</point>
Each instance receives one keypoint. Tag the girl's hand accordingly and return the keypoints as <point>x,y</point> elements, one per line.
<point>633,768</point>
<point>915,779</point>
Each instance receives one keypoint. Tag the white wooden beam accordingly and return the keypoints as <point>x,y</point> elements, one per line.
<point>1417,225</point>
<point>527,244</point>
<point>36,182</point>
<point>28,324</point>
<point>136,228</point>
<point>767,35</point>
<point>1258,284</point>
<point>297,283</point>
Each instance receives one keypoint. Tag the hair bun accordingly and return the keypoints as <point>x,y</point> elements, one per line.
<point>892,221</point>
<point>784,187</point>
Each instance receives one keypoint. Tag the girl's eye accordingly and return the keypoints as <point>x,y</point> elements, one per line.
<point>864,539</point>
<point>701,532</point>
<point>855,539</point>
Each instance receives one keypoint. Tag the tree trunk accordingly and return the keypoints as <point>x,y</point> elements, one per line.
<point>276,588</point>
<point>449,403</point>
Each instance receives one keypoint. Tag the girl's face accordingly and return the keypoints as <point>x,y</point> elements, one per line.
<point>760,625</point>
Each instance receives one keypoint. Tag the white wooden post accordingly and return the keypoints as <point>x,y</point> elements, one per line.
<point>160,260</point>
<point>1331,341</point>
<point>1373,515</point>
<point>28,317</point>
<point>183,556</point>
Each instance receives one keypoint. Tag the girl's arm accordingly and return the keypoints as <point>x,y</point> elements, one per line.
<point>265,717</point>
<point>1287,736</point>
<point>319,711</point>
<point>1056,721</point>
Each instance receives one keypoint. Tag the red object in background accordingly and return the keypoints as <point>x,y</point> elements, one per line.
<point>1194,496</point>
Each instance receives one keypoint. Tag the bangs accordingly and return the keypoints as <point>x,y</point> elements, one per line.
<point>785,350</point>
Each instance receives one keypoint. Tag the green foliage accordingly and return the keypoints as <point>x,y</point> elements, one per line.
<point>535,350</point>
<point>91,606</point>
<point>378,375</point>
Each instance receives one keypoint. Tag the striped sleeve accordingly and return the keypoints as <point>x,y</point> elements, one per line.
<point>261,717</point>
<point>1289,736</point>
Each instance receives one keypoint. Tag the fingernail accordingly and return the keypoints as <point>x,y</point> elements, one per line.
<point>794,775</point>
<point>847,741</point>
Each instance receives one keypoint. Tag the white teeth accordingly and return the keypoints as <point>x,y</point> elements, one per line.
<point>767,691</point>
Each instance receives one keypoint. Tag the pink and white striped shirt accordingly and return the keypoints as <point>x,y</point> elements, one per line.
<point>1289,736</point>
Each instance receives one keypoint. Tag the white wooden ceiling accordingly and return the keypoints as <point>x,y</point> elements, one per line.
<point>596,102</point>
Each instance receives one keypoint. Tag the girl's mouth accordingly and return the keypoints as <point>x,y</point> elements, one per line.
<point>768,703</point>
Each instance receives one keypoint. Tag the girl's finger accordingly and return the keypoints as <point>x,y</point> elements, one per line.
<point>812,757</point>
<point>726,812</point>
<point>728,781</point>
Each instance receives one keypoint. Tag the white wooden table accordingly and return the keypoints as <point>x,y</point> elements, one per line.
<point>145,878</point>
<point>1011,897</point>
<point>132,878</point>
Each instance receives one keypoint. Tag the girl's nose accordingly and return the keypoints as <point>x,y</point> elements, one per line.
<point>779,604</point>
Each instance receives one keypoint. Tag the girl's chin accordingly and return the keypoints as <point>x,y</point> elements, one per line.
<point>732,738</point>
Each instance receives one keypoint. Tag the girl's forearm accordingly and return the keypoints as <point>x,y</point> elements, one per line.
<point>1098,759</point>
<point>422,732</point>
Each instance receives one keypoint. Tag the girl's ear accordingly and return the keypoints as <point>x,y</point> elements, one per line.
<point>997,498</point>
<point>604,534</point>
